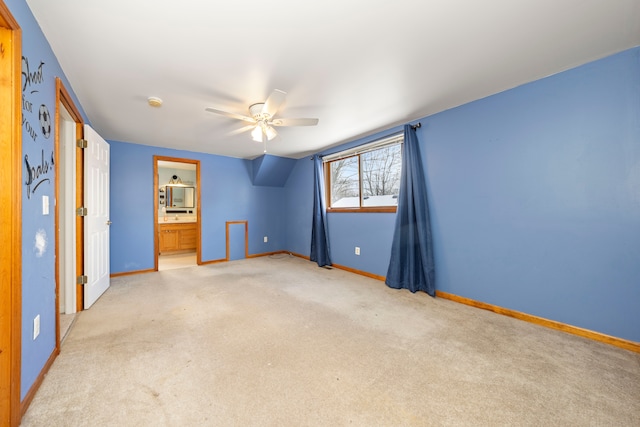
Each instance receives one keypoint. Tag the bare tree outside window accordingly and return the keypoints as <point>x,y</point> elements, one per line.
<point>345,188</point>
<point>376,172</point>
<point>381,175</point>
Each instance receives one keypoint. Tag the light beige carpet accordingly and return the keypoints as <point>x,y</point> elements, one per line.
<point>277,341</point>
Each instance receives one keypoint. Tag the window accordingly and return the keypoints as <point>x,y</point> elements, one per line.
<point>366,178</point>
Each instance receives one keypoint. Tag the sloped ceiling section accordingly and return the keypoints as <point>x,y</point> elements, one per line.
<point>271,171</point>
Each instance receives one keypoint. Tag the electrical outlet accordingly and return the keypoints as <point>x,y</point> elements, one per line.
<point>266,239</point>
<point>357,250</point>
<point>36,327</point>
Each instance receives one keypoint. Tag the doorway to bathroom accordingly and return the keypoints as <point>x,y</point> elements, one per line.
<point>176,213</point>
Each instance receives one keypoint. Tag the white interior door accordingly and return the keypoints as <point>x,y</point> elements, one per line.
<point>96,222</point>
<point>67,206</point>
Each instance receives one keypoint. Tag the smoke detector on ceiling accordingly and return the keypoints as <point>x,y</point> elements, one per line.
<point>154,101</point>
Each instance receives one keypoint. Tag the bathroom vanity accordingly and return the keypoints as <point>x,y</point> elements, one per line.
<point>177,237</point>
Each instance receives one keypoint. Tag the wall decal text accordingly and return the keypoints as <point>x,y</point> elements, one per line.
<point>30,85</point>
<point>29,78</point>
<point>35,173</point>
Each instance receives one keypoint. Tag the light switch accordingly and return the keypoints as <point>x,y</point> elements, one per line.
<point>45,205</point>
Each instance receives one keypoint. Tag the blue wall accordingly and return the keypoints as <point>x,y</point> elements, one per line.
<point>298,207</point>
<point>534,196</point>
<point>39,70</point>
<point>227,195</point>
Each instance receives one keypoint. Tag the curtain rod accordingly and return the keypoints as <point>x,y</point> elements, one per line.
<point>414,127</point>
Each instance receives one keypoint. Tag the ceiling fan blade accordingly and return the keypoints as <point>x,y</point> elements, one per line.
<point>232,115</point>
<point>274,101</point>
<point>241,130</point>
<point>294,122</point>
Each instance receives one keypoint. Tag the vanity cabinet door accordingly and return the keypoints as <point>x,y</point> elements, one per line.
<point>188,237</point>
<point>168,240</point>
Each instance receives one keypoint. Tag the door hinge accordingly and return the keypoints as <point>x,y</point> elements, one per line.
<point>82,280</point>
<point>82,143</point>
<point>81,211</point>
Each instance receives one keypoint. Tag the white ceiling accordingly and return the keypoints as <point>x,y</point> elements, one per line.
<point>359,66</point>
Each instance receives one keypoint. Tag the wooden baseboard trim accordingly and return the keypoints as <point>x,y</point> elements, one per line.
<point>299,255</point>
<point>267,254</point>
<point>343,267</point>
<point>24,405</point>
<point>131,273</point>
<point>213,261</point>
<point>552,324</point>
<point>359,272</point>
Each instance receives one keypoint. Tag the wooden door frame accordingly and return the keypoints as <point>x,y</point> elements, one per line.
<point>155,206</point>
<point>246,238</point>
<point>10,217</point>
<point>63,97</point>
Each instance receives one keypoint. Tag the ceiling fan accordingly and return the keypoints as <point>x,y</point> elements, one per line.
<point>262,120</point>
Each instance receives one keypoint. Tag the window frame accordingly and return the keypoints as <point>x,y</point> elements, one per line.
<point>395,139</point>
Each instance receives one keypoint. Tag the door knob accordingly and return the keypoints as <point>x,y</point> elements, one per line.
<point>108,222</point>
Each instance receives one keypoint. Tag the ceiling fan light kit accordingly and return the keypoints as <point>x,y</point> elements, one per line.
<point>261,118</point>
<point>256,134</point>
<point>270,132</point>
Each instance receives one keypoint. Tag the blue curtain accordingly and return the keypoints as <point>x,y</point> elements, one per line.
<point>319,234</point>
<point>411,266</point>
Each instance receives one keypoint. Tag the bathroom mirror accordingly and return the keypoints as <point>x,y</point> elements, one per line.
<point>179,197</point>
<point>177,186</point>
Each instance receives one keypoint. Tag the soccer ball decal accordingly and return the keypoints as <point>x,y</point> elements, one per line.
<point>45,121</point>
